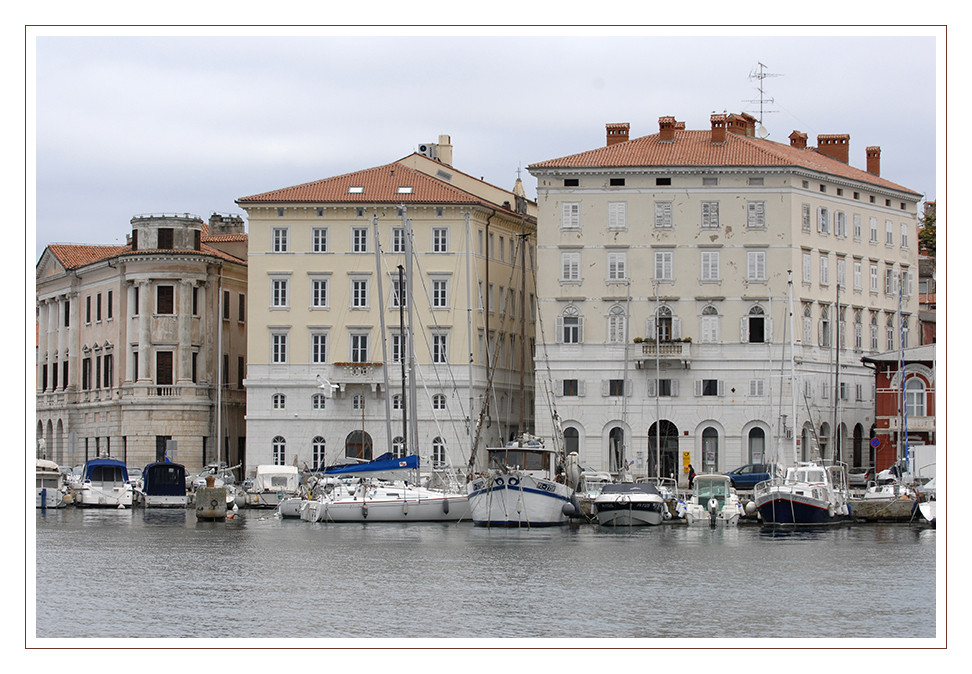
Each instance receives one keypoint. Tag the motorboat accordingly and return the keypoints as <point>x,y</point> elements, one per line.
<point>928,502</point>
<point>50,485</point>
<point>714,502</point>
<point>271,485</point>
<point>105,483</point>
<point>164,485</point>
<point>630,504</point>
<point>810,493</point>
<point>223,476</point>
<point>521,488</point>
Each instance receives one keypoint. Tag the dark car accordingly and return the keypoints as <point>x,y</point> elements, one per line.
<point>858,476</point>
<point>748,476</point>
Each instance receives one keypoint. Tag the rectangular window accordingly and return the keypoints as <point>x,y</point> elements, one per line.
<point>319,239</point>
<point>440,351</point>
<point>710,214</point>
<point>710,387</point>
<point>840,224</point>
<point>617,215</point>
<point>904,236</point>
<point>241,300</point>
<point>570,267</point>
<point>87,309</point>
<point>319,347</point>
<point>572,329</point>
<point>398,297</point>
<point>663,265</point>
<point>665,388</point>
<point>663,214</point>
<point>359,293</point>
<point>858,276</point>
<point>710,265</point>
<point>359,348</point>
<point>98,307</point>
<point>874,230</point>
<point>195,301</point>
<point>398,239</point>
<point>756,214</point>
<point>841,265</point>
<point>319,293</point>
<point>240,371</point>
<point>874,278</point>
<point>440,240</point>
<point>279,239</point>
<point>278,293</point>
<point>857,227</point>
<point>226,296</point>
<point>440,295</point>
<point>806,217</point>
<point>359,239</point>
<point>165,238</point>
<point>757,387</point>
<point>108,303</point>
<point>617,266</point>
<point>823,221</point>
<point>570,216</point>
<point>806,268</point>
<point>278,347</point>
<point>397,347</point>
<point>888,233</point>
<point>888,281</point>
<point>570,387</point>
<point>616,387</point>
<point>165,300</point>
<point>824,271</point>
<point>756,265</point>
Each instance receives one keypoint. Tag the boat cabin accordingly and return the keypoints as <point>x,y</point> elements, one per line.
<point>164,478</point>
<point>707,487</point>
<point>807,474</point>
<point>105,472</point>
<point>271,478</point>
<point>533,458</point>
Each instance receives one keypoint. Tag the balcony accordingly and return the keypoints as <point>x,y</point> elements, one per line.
<point>368,374</point>
<point>664,352</point>
<point>914,424</point>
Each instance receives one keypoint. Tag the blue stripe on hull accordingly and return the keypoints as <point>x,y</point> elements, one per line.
<point>517,489</point>
<point>784,511</point>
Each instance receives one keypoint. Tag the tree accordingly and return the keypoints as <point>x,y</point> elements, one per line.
<point>926,229</point>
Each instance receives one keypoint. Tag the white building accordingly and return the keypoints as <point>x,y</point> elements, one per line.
<point>326,294</point>
<point>668,259</point>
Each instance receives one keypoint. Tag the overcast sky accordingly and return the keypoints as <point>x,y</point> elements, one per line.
<point>131,125</point>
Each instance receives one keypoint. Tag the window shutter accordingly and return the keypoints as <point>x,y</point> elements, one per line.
<point>676,328</point>
<point>580,387</point>
<point>768,332</point>
<point>628,387</point>
<point>580,330</point>
<point>674,387</point>
<point>820,333</point>
<point>744,329</point>
<point>605,387</point>
<point>560,329</point>
<point>722,388</point>
<point>698,387</point>
<point>650,328</point>
<point>558,387</point>
<point>652,388</point>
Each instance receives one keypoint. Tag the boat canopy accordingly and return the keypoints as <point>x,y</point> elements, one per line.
<point>385,464</point>
<point>164,479</point>
<point>276,478</point>
<point>628,487</point>
<point>46,465</point>
<point>106,470</point>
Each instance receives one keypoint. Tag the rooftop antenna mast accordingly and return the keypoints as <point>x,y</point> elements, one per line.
<point>759,73</point>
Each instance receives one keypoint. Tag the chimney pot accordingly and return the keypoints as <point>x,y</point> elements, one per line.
<point>666,129</point>
<point>835,145</point>
<point>617,133</point>
<point>798,139</point>
<point>718,128</point>
<point>874,160</point>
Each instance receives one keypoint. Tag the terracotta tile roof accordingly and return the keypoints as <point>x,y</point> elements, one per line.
<point>75,256</point>
<point>378,185</point>
<point>694,148</point>
<point>223,237</point>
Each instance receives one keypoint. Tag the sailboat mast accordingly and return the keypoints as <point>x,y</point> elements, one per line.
<point>469,340</point>
<point>401,354</point>
<point>793,381</point>
<point>219,368</point>
<point>381,319</point>
<point>836,433</point>
<point>409,341</point>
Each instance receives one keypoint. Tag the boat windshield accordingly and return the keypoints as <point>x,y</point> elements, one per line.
<point>518,457</point>
<point>709,489</point>
<point>810,475</point>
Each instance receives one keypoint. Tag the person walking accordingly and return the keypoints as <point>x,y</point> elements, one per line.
<point>691,475</point>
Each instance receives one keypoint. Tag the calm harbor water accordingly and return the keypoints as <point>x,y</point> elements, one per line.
<point>160,573</point>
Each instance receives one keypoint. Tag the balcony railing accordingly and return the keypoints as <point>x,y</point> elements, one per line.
<point>665,349</point>
<point>914,423</point>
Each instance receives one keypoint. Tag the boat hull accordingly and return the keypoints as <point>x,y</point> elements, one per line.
<point>927,509</point>
<point>519,500</point>
<point>795,510</point>
<point>629,515</point>
<point>439,508</point>
<point>165,501</point>
<point>107,496</point>
<point>50,498</point>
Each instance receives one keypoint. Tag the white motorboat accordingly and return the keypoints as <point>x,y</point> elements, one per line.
<point>521,489</point>
<point>105,483</point>
<point>50,485</point>
<point>271,485</point>
<point>714,502</point>
<point>630,504</point>
<point>810,494</point>
<point>164,485</point>
<point>927,505</point>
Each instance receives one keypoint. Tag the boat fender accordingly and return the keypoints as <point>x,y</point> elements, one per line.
<point>405,508</point>
<point>569,510</point>
<point>445,506</point>
<point>364,510</point>
<point>666,513</point>
<point>830,509</point>
<point>750,507</point>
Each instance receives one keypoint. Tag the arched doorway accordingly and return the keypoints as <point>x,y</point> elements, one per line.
<point>668,449</point>
<point>757,445</point>
<point>571,440</point>
<point>858,444</point>
<point>358,445</point>
<point>616,449</point>
<point>710,450</point>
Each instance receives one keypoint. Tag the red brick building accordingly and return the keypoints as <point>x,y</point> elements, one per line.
<point>914,411</point>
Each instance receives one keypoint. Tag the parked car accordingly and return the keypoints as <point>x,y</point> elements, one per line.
<point>858,476</point>
<point>748,476</point>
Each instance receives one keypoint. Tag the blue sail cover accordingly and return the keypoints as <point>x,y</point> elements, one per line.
<point>383,464</point>
<point>106,470</point>
<point>164,478</point>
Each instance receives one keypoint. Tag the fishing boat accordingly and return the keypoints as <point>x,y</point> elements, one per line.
<point>271,485</point>
<point>522,488</point>
<point>105,483</point>
<point>630,504</point>
<point>50,485</point>
<point>810,493</point>
<point>164,485</point>
<point>380,491</point>
<point>714,502</point>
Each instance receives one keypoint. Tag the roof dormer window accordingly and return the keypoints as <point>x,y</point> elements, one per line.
<point>405,189</point>
<point>356,189</point>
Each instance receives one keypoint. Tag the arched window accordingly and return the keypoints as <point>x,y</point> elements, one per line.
<point>874,332</point>
<point>317,401</point>
<point>279,447</point>
<point>438,453</point>
<point>397,401</point>
<point>570,326</point>
<point>710,450</point>
<point>890,332</point>
<point>438,402</point>
<point>858,331</point>
<point>915,397</point>
<point>757,445</point>
<point>664,327</point>
<point>616,325</point>
<point>709,325</point>
<point>616,449</point>
<point>823,439</point>
<point>571,440</point>
<point>807,324</point>
<point>824,334</point>
<point>317,451</point>
<point>279,401</point>
<point>398,447</point>
<point>754,326</point>
<point>358,445</point>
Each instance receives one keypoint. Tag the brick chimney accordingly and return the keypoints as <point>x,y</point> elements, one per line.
<point>718,128</point>
<point>742,125</point>
<point>874,160</point>
<point>617,133</point>
<point>666,129</point>
<point>834,145</point>
<point>798,139</point>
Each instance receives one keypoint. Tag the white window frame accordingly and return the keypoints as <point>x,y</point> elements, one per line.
<point>280,239</point>
<point>440,239</point>
<point>440,347</point>
<point>663,214</point>
<point>842,272</point>
<point>438,402</point>
<point>617,266</point>
<point>359,239</point>
<point>874,278</point>
<point>710,215</point>
<point>888,233</point>
<point>858,275</point>
<point>874,230</point>
<point>904,235</point>
<point>823,221</point>
<point>319,239</point>
<point>756,214</point>
<point>710,266</point>
<point>278,347</point>
<point>664,265</point>
<point>569,267</point>
<point>440,293</point>
<point>358,347</point>
<point>756,265</point>
<point>807,262</point>
<point>824,270</point>
<point>709,327</point>
<point>840,224</point>
<point>857,227</point>
<point>617,215</point>
<point>398,239</point>
<point>318,347</point>
<point>320,292</point>
<point>805,217</point>
<point>278,401</point>
<point>570,215</point>
<point>359,293</point>
<point>279,292</point>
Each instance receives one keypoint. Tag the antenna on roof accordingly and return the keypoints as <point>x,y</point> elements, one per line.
<point>759,73</point>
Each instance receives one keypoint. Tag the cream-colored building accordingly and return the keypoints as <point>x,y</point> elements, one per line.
<point>668,259</point>
<point>127,344</point>
<point>324,288</point>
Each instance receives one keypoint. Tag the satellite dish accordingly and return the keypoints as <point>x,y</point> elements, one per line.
<point>762,132</point>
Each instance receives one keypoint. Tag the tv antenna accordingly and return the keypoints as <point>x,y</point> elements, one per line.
<point>759,73</point>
